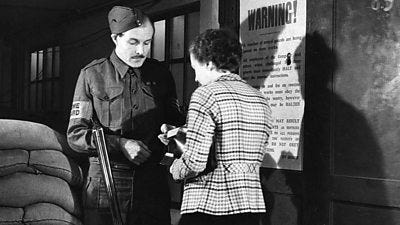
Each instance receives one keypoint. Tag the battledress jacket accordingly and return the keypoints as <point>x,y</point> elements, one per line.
<point>128,102</point>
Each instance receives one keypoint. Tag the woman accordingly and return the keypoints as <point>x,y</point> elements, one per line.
<point>228,113</point>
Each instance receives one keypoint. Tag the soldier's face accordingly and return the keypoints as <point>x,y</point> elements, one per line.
<point>134,45</point>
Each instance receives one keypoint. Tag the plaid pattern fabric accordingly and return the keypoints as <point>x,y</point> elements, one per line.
<point>240,119</point>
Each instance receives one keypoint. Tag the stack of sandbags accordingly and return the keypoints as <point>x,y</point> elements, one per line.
<point>40,183</point>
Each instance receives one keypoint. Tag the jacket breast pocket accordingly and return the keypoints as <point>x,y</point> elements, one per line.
<point>108,104</point>
<point>149,98</point>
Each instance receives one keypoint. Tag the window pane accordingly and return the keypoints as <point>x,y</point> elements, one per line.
<point>56,55</point>
<point>26,99</point>
<point>26,80</point>
<point>40,65</point>
<point>177,73</point>
<point>193,26</point>
<point>177,36</point>
<point>49,63</point>
<point>56,95</point>
<point>159,40</point>
<point>39,98</point>
<point>48,95</point>
<point>33,66</point>
<point>33,96</point>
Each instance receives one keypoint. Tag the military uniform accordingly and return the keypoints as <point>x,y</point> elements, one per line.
<point>132,103</point>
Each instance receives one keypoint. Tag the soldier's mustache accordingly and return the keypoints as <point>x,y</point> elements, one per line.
<point>138,56</point>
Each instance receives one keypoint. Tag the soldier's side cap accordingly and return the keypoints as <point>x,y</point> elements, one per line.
<point>122,18</point>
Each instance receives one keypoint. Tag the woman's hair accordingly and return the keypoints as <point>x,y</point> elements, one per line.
<point>218,46</point>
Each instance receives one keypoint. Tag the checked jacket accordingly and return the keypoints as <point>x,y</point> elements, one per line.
<point>238,118</point>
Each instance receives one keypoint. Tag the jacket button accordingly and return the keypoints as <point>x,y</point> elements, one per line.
<point>106,98</point>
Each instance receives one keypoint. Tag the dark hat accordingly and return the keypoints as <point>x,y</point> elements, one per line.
<point>121,19</point>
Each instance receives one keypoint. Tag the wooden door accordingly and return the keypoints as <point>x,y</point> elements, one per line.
<point>365,153</point>
<point>352,161</point>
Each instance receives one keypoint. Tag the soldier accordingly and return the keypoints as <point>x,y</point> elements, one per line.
<point>130,96</point>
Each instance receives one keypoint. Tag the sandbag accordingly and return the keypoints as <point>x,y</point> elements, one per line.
<point>18,134</point>
<point>11,216</point>
<point>50,162</point>
<point>56,164</point>
<point>22,189</point>
<point>37,214</point>
<point>48,214</point>
<point>12,161</point>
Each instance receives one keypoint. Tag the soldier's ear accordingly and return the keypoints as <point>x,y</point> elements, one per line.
<point>114,38</point>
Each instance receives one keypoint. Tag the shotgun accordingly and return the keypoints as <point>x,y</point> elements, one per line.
<point>107,174</point>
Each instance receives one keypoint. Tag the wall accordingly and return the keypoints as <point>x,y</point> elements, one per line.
<point>11,83</point>
<point>5,81</point>
<point>209,13</point>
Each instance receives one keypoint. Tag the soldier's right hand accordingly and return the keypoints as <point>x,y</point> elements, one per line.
<point>136,151</point>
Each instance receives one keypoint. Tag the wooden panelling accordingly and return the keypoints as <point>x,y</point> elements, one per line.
<point>353,214</point>
<point>365,190</point>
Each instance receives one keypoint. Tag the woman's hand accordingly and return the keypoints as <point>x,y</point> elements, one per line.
<point>163,136</point>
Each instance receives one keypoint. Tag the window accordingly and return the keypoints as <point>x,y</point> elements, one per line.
<point>42,82</point>
<point>171,39</point>
<point>172,36</point>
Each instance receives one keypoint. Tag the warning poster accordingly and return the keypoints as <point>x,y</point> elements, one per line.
<point>273,37</point>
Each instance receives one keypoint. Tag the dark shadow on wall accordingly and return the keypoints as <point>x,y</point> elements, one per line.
<point>337,141</point>
<point>320,65</point>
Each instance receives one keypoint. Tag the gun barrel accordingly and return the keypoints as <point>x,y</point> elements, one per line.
<point>107,175</point>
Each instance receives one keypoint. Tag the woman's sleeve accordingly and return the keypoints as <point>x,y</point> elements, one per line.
<point>201,124</point>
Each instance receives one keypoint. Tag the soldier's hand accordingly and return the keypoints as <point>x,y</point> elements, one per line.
<point>136,151</point>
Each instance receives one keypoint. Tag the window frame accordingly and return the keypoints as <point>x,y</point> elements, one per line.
<point>185,60</point>
<point>46,104</point>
